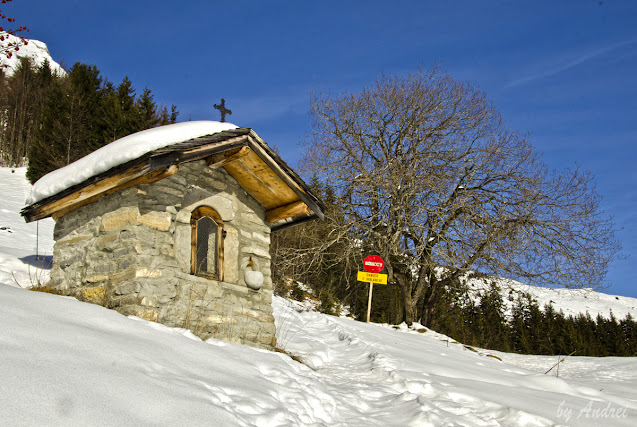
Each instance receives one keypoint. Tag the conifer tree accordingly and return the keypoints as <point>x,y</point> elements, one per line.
<point>147,110</point>
<point>120,113</point>
<point>111,119</point>
<point>131,119</point>
<point>491,323</point>
<point>173,114</point>
<point>85,97</point>
<point>629,329</point>
<point>520,335</point>
<point>51,146</point>
<point>166,118</point>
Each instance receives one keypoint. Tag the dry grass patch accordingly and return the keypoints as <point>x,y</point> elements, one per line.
<point>47,289</point>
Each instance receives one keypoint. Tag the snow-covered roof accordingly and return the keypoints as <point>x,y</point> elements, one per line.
<point>155,154</point>
<point>119,152</point>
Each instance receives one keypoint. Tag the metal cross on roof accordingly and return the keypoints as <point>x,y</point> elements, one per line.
<point>222,109</point>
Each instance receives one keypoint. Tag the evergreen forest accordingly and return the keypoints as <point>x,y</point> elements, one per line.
<point>51,120</point>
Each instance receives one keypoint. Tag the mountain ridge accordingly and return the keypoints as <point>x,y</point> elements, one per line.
<point>36,51</point>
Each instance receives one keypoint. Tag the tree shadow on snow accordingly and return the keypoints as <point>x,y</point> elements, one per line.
<point>40,261</point>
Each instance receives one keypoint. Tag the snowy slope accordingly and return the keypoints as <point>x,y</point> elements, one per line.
<point>35,50</point>
<point>19,241</point>
<point>63,362</point>
<point>70,363</point>
<point>570,301</point>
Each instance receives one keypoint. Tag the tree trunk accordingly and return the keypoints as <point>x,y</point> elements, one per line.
<point>409,305</point>
<point>429,305</point>
<point>410,311</point>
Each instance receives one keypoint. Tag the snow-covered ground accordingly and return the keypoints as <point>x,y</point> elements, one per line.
<point>64,362</point>
<point>70,363</point>
<point>21,242</point>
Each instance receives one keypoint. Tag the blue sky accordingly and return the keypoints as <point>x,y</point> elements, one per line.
<point>565,72</point>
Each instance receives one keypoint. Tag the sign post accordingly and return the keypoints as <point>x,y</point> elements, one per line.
<point>369,301</point>
<point>372,264</point>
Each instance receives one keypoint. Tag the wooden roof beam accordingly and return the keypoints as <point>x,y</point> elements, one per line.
<point>218,160</point>
<point>292,210</point>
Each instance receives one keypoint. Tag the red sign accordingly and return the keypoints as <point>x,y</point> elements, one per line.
<point>373,264</point>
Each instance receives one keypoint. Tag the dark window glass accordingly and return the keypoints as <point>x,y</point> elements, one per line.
<point>207,246</point>
<point>207,243</point>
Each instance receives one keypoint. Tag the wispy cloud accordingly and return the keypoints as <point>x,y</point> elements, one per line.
<point>564,65</point>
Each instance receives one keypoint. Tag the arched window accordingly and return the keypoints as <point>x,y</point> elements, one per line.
<point>207,243</point>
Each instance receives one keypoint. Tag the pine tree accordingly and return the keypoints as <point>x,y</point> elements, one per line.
<point>147,110</point>
<point>629,328</point>
<point>69,128</point>
<point>85,96</point>
<point>173,114</point>
<point>535,325</point>
<point>166,118</point>
<point>492,324</point>
<point>520,334</point>
<point>120,114</point>
<point>110,120</point>
<point>51,145</point>
<point>546,340</point>
<point>131,122</point>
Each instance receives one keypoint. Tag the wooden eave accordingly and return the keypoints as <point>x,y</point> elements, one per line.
<point>241,152</point>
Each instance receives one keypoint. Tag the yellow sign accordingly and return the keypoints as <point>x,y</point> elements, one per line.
<point>379,278</point>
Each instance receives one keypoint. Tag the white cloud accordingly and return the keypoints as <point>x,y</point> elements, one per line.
<point>556,67</point>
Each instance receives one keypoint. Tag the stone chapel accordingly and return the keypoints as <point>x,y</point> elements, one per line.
<point>179,234</point>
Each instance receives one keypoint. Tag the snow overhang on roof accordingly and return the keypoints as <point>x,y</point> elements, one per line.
<point>240,151</point>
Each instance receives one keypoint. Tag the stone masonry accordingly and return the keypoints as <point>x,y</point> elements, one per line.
<point>130,251</point>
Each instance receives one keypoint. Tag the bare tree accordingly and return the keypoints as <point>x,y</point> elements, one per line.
<point>431,179</point>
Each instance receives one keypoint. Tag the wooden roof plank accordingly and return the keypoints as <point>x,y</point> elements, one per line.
<point>253,184</point>
<point>259,168</point>
<point>90,191</point>
<point>148,178</point>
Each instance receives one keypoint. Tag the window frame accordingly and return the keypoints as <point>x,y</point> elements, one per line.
<point>196,215</point>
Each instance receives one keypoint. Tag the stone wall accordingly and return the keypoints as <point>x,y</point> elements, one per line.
<point>130,251</point>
